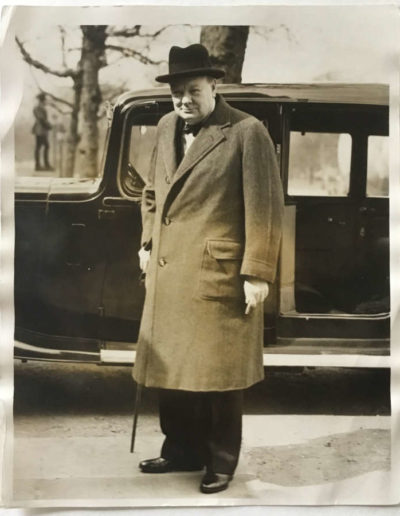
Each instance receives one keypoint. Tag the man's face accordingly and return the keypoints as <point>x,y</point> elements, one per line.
<point>193,98</point>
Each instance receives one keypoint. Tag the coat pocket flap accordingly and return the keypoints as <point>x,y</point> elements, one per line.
<point>225,249</point>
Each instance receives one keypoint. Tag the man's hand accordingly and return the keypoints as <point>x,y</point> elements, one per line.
<point>255,292</point>
<point>144,258</point>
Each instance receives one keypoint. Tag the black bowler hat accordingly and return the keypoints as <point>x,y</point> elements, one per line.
<point>191,61</point>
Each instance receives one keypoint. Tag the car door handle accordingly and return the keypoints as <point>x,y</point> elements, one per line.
<point>332,220</point>
<point>105,214</point>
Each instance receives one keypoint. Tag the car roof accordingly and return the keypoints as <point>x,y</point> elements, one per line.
<point>332,93</point>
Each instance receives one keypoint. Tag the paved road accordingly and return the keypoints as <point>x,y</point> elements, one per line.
<point>322,427</point>
<point>53,388</point>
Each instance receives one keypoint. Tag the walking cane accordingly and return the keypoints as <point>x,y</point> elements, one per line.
<point>138,396</point>
<point>136,414</point>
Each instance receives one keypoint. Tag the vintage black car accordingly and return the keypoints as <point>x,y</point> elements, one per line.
<point>78,290</point>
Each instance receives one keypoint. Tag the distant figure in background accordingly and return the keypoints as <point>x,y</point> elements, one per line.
<point>40,129</point>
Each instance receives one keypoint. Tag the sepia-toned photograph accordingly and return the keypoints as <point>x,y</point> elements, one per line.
<point>202,289</point>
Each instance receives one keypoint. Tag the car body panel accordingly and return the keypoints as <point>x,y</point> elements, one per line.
<point>78,287</point>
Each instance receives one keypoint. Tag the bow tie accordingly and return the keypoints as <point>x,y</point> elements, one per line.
<point>191,129</point>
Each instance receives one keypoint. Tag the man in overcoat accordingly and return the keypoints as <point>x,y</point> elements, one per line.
<point>212,213</point>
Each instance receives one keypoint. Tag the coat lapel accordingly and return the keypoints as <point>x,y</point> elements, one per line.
<point>210,135</point>
<point>206,140</point>
<point>169,147</point>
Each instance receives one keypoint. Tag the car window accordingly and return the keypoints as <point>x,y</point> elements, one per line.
<point>319,164</point>
<point>141,148</point>
<point>139,145</point>
<point>378,166</point>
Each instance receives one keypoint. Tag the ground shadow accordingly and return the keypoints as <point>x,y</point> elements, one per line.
<point>61,388</point>
<point>326,459</point>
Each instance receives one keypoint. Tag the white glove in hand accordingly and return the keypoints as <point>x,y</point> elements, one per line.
<point>144,258</point>
<point>255,292</point>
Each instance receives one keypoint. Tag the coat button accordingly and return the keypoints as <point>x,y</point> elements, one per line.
<point>162,262</point>
<point>167,180</point>
<point>167,221</point>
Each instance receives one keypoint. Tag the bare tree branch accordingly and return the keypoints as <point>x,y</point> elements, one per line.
<point>129,52</point>
<point>58,109</point>
<point>125,33</point>
<point>265,32</point>
<point>135,32</point>
<point>62,35</point>
<point>57,99</point>
<point>154,34</point>
<point>40,66</point>
<point>109,96</point>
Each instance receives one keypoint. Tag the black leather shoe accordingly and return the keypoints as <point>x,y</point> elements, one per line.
<point>161,465</point>
<point>215,482</point>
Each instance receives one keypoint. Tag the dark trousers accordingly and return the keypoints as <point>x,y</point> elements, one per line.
<point>202,428</point>
<point>41,141</point>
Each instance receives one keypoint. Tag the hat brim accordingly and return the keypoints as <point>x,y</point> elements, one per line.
<point>195,72</point>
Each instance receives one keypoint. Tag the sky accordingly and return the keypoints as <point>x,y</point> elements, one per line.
<point>352,44</point>
<point>286,44</point>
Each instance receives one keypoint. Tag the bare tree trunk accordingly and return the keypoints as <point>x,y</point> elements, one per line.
<point>92,59</point>
<point>82,133</point>
<point>227,47</point>
<point>72,135</point>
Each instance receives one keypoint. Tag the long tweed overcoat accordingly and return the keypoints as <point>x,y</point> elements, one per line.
<point>212,220</point>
